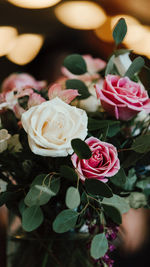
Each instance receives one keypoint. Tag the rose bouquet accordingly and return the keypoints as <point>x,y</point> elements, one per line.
<point>75,157</point>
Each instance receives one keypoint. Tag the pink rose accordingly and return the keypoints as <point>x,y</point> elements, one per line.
<point>123,98</point>
<point>103,163</point>
<point>21,81</point>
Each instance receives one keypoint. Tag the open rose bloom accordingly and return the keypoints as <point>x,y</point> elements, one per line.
<point>123,98</point>
<point>103,163</point>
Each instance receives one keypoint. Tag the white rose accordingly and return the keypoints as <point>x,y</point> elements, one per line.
<point>122,63</point>
<point>4,136</point>
<point>52,125</point>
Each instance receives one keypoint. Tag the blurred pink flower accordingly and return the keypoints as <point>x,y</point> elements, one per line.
<point>67,96</point>
<point>21,81</point>
<point>94,65</point>
<point>35,99</point>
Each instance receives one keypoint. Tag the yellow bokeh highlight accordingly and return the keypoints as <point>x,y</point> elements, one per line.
<point>26,48</point>
<point>7,37</point>
<point>84,15</point>
<point>34,4</point>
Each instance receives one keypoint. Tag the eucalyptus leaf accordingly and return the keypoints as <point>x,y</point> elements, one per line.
<point>94,124</point>
<point>136,200</point>
<point>110,66</point>
<point>130,180</point>
<point>135,67</point>
<point>120,31</point>
<point>141,144</point>
<point>72,198</point>
<point>69,173</point>
<point>81,148</point>
<point>65,221</point>
<point>118,202</point>
<point>80,86</point>
<point>113,213</point>
<point>119,178</point>
<point>99,246</point>
<point>144,183</point>
<point>76,64</point>
<point>96,187</point>
<point>32,218</point>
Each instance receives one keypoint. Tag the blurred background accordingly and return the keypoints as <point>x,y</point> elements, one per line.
<point>36,35</point>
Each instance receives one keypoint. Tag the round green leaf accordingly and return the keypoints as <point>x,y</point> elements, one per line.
<point>65,221</point>
<point>142,144</point>
<point>113,213</point>
<point>96,187</point>
<point>118,202</point>
<point>72,198</point>
<point>99,246</point>
<point>69,173</point>
<point>32,218</point>
<point>75,64</point>
<point>80,86</point>
<point>81,149</point>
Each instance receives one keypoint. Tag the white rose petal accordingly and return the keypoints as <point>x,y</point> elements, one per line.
<point>52,125</point>
<point>122,63</point>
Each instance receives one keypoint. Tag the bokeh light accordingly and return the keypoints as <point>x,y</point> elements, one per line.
<point>7,36</point>
<point>80,14</point>
<point>26,48</point>
<point>37,4</point>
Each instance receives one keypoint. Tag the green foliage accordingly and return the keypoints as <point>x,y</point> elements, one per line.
<point>80,86</point>
<point>94,124</point>
<point>72,198</point>
<point>99,246</point>
<point>42,189</point>
<point>130,180</point>
<point>76,64</point>
<point>113,213</point>
<point>136,200</point>
<point>117,202</point>
<point>81,149</point>
<point>119,178</point>
<point>32,218</point>
<point>141,144</point>
<point>135,67</point>
<point>96,187</point>
<point>120,52</point>
<point>69,173</point>
<point>120,31</point>
<point>144,183</point>
<point>110,66</point>
<point>65,221</point>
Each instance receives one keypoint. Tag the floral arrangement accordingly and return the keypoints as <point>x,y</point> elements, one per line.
<point>75,156</point>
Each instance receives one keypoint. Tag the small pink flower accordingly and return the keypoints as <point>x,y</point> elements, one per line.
<point>21,81</point>
<point>35,99</point>
<point>123,98</point>
<point>94,65</point>
<point>103,163</point>
<point>67,96</point>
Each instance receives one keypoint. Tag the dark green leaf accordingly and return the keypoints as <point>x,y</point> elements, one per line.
<point>22,206</point>
<point>132,159</point>
<point>80,86</point>
<point>65,221</point>
<point>99,246</point>
<point>110,66</point>
<point>69,173</point>
<point>96,187</point>
<point>76,64</point>
<point>135,67</point>
<point>32,218</point>
<point>117,202</point>
<point>113,213</point>
<point>113,130</point>
<point>120,31</point>
<point>94,124</point>
<point>142,144</point>
<point>72,198</point>
<point>81,149</point>
<point>119,179</point>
